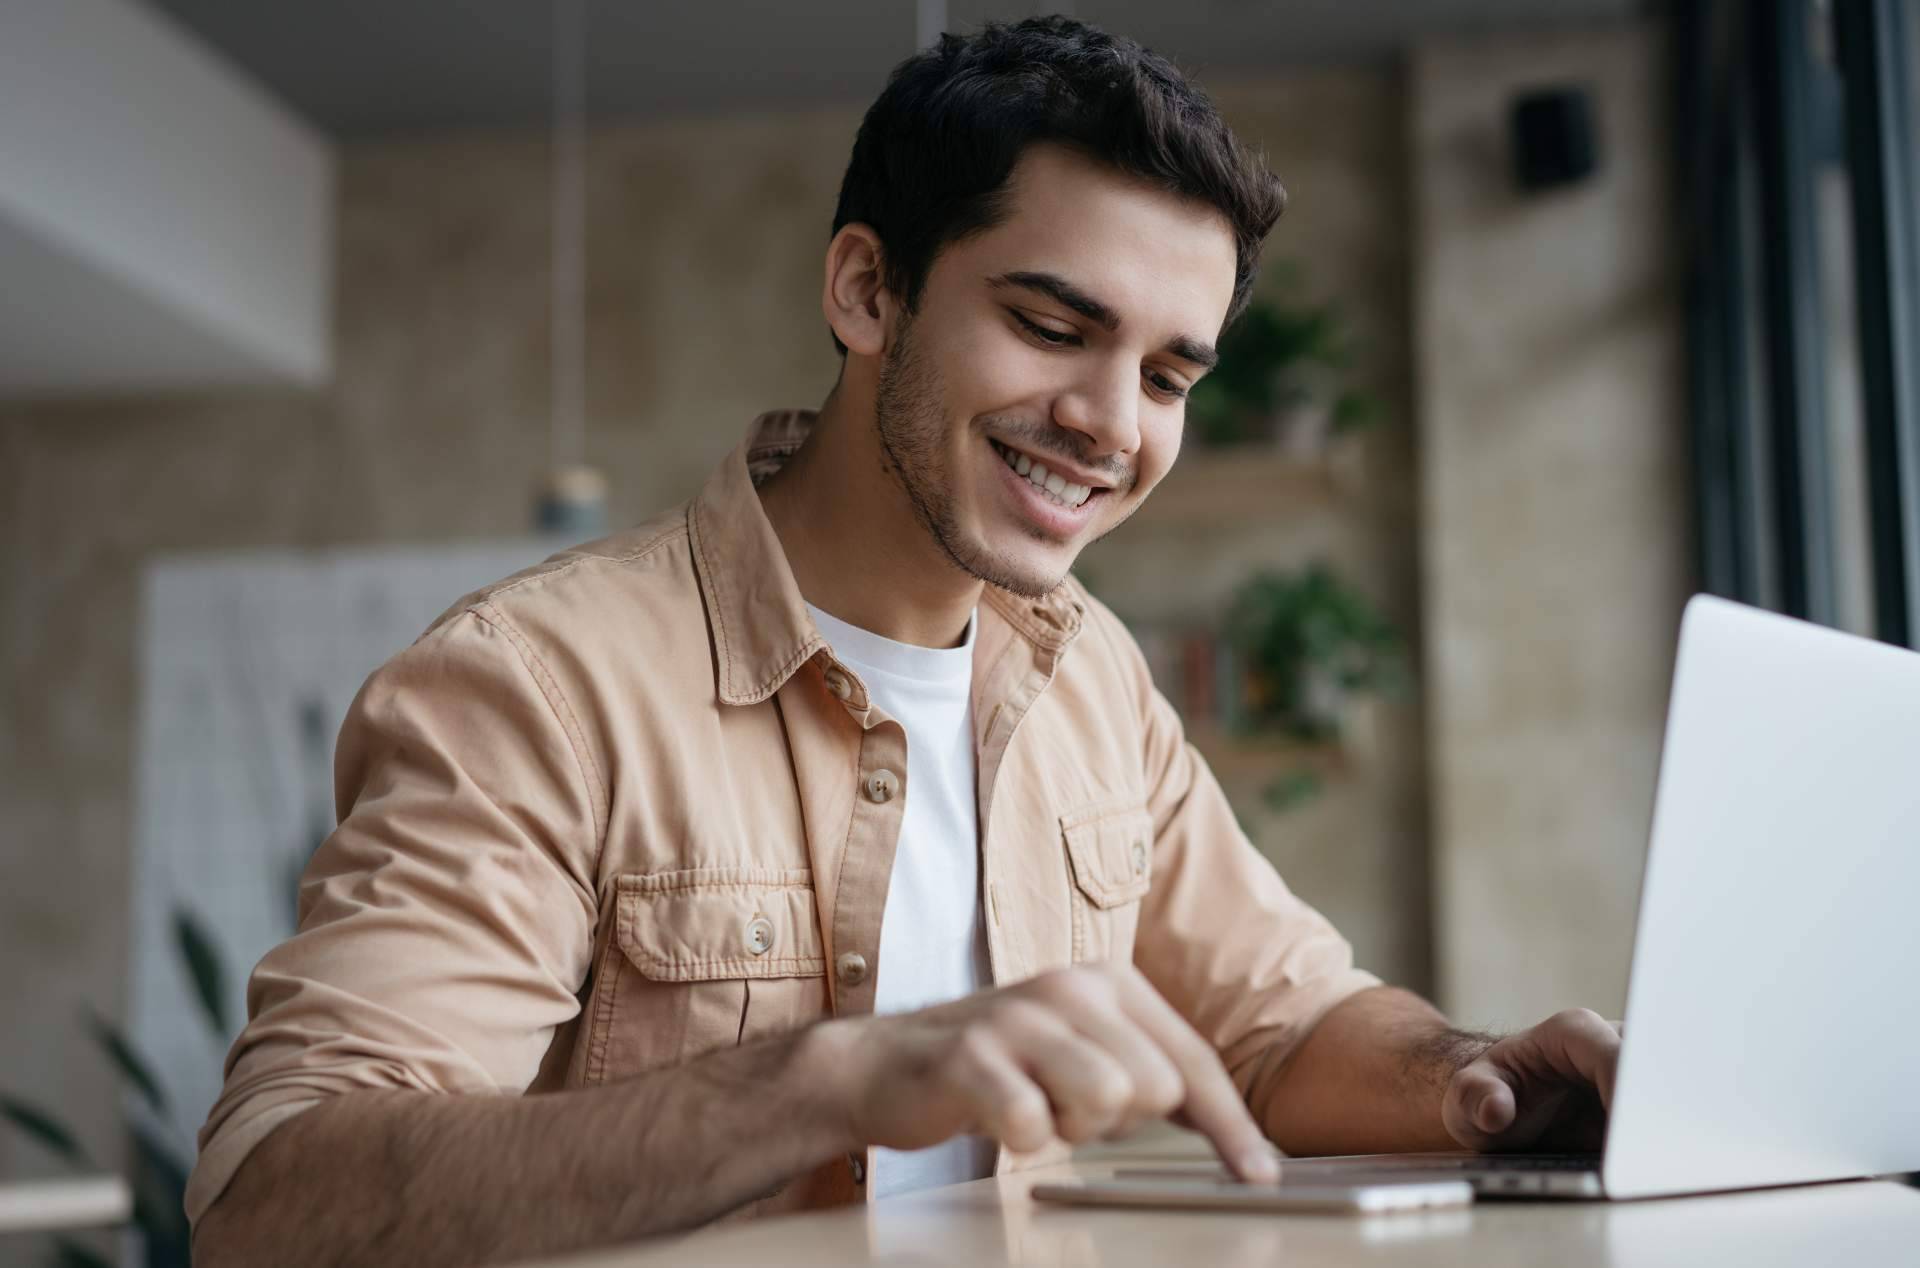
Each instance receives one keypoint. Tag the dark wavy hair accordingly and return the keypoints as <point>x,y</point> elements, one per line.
<point>931,162</point>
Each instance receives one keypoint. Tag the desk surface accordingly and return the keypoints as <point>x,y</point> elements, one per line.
<point>994,1222</point>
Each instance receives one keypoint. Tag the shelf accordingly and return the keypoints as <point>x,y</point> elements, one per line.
<point>1240,759</point>
<point>1253,482</point>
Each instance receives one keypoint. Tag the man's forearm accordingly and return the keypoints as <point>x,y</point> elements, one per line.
<point>421,1179</point>
<point>1370,1078</point>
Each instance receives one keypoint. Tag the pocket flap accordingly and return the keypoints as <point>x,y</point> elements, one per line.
<point>720,922</point>
<point>1111,850</point>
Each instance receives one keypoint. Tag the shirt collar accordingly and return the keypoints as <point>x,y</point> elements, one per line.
<point>762,632</point>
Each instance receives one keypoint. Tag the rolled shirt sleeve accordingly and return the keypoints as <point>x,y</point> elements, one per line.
<point>446,926</point>
<point>1246,961</point>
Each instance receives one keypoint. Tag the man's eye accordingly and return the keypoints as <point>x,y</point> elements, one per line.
<point>1046,334</point>
<point>1167,386</point>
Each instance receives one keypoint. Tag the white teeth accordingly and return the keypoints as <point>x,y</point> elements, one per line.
<point>1058,486</point>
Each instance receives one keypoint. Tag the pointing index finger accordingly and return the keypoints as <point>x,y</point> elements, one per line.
<point>1213,1104</point>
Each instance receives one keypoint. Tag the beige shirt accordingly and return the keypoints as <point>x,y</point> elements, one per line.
<point>625,808</point>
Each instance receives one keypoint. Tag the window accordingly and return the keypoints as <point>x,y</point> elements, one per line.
<point>1801,140</point>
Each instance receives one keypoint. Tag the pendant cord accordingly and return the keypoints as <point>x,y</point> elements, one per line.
<point>567,383</point>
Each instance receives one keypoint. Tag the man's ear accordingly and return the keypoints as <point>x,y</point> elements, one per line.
<point>855,299</point>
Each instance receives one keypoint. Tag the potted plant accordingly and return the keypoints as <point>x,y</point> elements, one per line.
<point>158,1172</point>
<point>157,1168</point>
<point>1282,379</point>
<point>1308,643</point>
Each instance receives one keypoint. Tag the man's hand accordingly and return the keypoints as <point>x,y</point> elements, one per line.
<point>1547,1088</point>
<point>1082,1053</point>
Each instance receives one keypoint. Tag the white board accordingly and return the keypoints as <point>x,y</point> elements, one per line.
<point>248,662</point>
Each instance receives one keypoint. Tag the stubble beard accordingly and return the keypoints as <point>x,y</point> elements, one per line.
<point>913,432</point>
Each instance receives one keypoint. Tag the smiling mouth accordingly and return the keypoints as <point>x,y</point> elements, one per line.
<point>1050,484</point>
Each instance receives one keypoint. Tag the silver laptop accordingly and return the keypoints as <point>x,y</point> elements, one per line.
<point>1772,1034</point>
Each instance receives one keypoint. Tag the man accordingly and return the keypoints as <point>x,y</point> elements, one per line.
<point>823,838</point>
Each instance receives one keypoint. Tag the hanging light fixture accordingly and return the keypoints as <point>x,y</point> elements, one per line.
<point>929,21</point>
<point>573,497</point>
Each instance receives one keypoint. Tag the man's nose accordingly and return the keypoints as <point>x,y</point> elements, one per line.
<point>1105,409</point>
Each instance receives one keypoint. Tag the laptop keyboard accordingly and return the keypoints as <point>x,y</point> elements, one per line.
<point>1450,1162</point>
<point>1531,1162</point>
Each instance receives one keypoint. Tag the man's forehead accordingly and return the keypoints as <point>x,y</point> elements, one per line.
<point>1113,235</point>
<point>1049,180</point>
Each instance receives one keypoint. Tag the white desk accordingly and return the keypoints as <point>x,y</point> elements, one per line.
<point>1863,1225</point>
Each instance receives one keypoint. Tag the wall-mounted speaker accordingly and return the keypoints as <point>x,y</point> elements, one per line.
<point>1555,138</point>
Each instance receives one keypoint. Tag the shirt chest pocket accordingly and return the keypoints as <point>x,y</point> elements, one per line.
<point>1110,856</point>
<point>702,959</point>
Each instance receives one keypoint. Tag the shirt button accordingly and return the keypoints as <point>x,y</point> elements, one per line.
<point>1139,858</point>
<point>881,785</point>
<point>858,1166</point>
<point>839,684</point>
<point>759,935</point>
<point>852,968</point>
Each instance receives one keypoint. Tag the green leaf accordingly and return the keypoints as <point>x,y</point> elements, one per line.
<point>71,1254</point>
<point>131,1064</point>
<point>1352,410</point>
<point>1290,629</point>
<point>159,1199</point>
<point>1283,351</point>
<point>1291,789</point>
<point>42,1127</point>
<point>203,966</point>
<point>1215,416</point>
<point>158,1161</point>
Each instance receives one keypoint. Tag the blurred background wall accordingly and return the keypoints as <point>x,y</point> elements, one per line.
<point>705,241</point>
<point>1518,510</point>
<point>1555,525</point>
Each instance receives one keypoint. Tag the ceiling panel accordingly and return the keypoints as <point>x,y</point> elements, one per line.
<point>366,68</point>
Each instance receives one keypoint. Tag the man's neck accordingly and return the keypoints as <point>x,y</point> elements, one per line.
<point>851,537</point>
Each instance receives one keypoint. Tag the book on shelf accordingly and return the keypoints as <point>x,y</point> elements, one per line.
<point>1199,672</point>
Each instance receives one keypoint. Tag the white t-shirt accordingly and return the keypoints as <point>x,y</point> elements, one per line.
<point>932,943</point>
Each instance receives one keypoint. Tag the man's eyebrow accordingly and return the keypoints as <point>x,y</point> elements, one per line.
<point>1204,355</point>
<point>1059,289</point>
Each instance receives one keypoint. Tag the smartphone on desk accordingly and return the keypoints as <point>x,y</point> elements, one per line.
<point>1205,1193</point>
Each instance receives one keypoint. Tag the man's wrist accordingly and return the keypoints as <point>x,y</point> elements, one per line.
<point>827,1075</point>
<point>1435,1057</point>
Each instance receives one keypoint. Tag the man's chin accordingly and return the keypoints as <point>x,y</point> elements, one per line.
<point>1026,577</point>
<point>1027,587</point>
